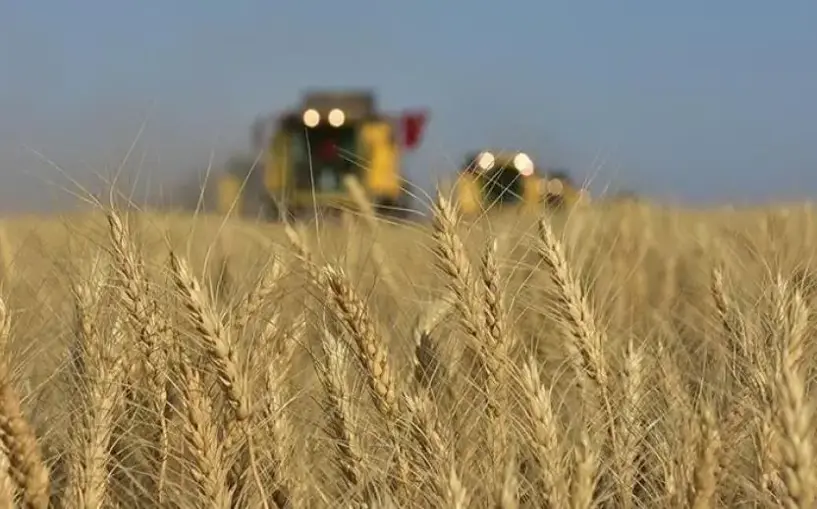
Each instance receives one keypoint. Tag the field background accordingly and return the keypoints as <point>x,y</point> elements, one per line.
<point>688,398</point>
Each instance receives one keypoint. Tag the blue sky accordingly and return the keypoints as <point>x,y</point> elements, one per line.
<point>694,100</point>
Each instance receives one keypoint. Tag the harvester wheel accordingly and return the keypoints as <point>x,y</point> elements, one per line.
<point>280,214</point>
<point>389,208</point>
<point>385,207</point>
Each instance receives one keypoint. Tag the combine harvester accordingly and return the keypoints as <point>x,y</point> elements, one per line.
<point>495,180</point>
<point>308,153</point>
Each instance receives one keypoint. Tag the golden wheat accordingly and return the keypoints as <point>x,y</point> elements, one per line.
<point>615,356</point>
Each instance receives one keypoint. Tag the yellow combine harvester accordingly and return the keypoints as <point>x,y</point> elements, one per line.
<point>309,152</point>
<point>492,180</point>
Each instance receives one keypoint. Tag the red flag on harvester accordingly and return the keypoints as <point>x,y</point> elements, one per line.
<point>413,124</point>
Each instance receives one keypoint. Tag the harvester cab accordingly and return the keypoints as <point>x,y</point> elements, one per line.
<point>493,179</point>
<point>333,135</point>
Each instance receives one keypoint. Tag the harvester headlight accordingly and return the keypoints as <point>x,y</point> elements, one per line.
<point>555,187</point>
<point>486,160</point>
<point>523,164</point>
<point>336,117</point>
<point>311,118</point>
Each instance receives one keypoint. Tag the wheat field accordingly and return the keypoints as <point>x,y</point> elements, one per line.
<point>621,356</point>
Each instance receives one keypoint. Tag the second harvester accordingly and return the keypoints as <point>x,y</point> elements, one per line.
<point>496,180</point>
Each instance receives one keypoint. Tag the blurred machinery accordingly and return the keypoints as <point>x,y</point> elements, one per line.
<point>491,180</point>
<point>558,190</point>
<point>308,152</point>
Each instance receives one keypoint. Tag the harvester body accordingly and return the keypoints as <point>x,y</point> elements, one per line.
<point>309,153</point>
<point>498,180</point>
<point>230,197</point>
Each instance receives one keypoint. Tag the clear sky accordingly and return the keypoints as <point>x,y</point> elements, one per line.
<point>694,100</point>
